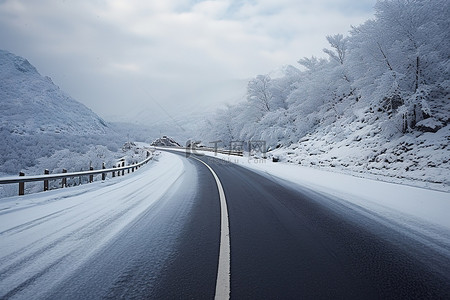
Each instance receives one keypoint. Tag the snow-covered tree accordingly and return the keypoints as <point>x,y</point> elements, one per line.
<point>393,70</point>
<point>339,45</point>
<point>259,93</point>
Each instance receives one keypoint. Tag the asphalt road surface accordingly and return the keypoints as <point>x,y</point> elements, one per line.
<point>292,243</point>
<point>286,242</point>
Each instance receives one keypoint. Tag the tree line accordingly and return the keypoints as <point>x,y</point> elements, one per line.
<point>393,69</point>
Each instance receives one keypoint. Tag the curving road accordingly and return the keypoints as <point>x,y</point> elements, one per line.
<point>286,242</point>
<point>291,243</point>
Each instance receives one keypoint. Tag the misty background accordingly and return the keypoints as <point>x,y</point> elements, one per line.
<point>154,62</point>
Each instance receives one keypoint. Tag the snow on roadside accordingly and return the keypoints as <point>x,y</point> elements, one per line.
<point>41,231</point>
<point>393,199</point>
<point>419,159</point>
<point>429,205</point>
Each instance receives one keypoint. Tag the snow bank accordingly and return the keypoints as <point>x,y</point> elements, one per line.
<point>389,199</point>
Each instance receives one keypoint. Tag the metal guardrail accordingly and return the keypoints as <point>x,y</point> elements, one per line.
<point>46,177</point>
<point>222,151</point>
<point>193,149</point>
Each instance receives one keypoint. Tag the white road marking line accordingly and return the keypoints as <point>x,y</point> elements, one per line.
<point>223,271</point>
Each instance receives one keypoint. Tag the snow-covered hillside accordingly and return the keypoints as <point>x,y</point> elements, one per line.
<point>358,148</point>
<point>379,105</point>
<point>31,103</point>
<point>41,127</point>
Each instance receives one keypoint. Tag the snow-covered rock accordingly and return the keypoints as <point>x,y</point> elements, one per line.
<point>429,125</point>
<point>165,141</point>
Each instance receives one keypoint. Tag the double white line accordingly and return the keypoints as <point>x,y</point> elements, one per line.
<point>223,271</point>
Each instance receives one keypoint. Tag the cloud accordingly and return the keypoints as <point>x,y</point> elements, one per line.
<point>101,51</point>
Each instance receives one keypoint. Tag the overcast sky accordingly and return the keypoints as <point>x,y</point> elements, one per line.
<point>167,57</point>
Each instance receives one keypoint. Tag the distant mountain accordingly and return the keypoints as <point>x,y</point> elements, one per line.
<point>41,126</point>
<point>31,103</point>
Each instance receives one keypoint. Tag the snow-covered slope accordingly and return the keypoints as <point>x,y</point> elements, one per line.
<point>31,103</point>
<point>39,123</point>
<point>379,105</point>
<point>358,148</point>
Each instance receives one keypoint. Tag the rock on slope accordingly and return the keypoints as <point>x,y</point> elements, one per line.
<point>165,141</point>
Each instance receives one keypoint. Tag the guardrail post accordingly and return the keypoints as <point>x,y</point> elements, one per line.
<point>91,177</point>
<point>46,172</point>
<point>103,174</point>
<point>64,180</point>
<point>47,176</point>
<point>21,185</point>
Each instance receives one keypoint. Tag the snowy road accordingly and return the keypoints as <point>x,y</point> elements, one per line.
<point>292,242</point>
<point>156,234</point>
<point>82,241</point>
